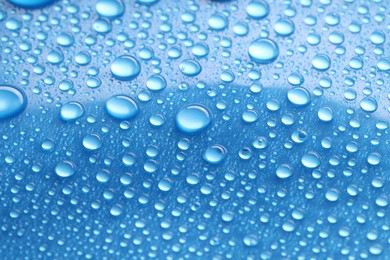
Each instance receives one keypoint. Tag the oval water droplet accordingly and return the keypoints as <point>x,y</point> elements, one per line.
<point>12,101</point>
<point>263,51</point>
<point>299,96</point>
<point>193,118</point>
<point>190,68</point>
<point>110,8</point>
<point>65,169</point>
<point>156,83</point>
<point>311,160</point>
<point>218,22</point>
<point>325,114</point>
<point>215,154</point>
<point>31,3</point>
<point>71,111</point>
<point>92,142</point>
<point>321,62</point>
<point>284,27</point>
<point>369,104</point>
<point>283,171</point>
<point>125,68</point>
<point>257,9</point>
<point>122,107</point>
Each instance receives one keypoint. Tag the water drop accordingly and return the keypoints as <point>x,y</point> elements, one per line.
<point>156,83</point>
<point>190,68</point>
<point>71,111</point>
<point>92,142</point>
<point>31,3</point>
<point>65,39</point>
<point>368,104</point>
<point>332,195</point>
<point>217,22</point>
<point>311,160</point>
<point>263,51</point>
<point>383,64</point>
<point>122,107</point>
<point>298,96</point>
<point>65,169</point>
<point>165,185</point>
<point>215,154</point>
<point>325,114</point>
<point>125,68</point>
<point>251,240</point>
<point>103,176</point>
<point>284,27</point>
<point>283,171</point>
<point>110,8</point>
<point>374,159</point>
<point>321,62</point>
<point>193,118</point>
<point>257,9</point>
<point>250,116</point>
<point>12,101</point>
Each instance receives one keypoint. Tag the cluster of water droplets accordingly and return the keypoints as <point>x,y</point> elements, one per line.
<point>210,129</point>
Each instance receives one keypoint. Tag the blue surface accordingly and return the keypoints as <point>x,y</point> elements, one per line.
<point>203,143</point>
